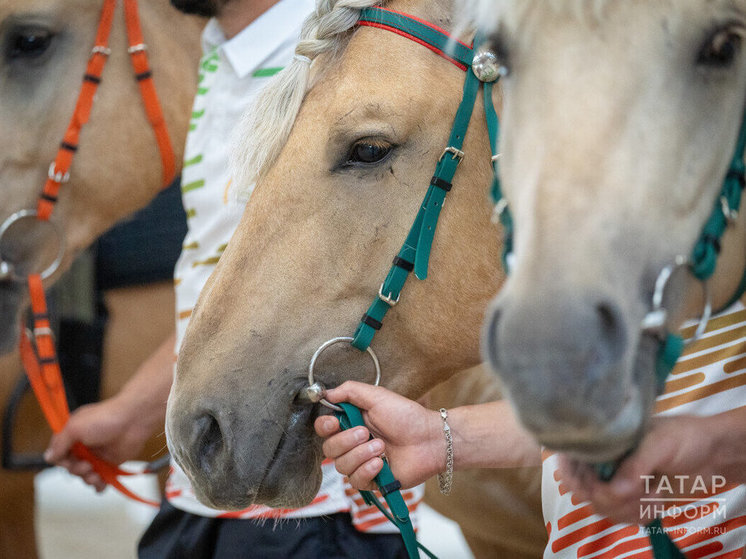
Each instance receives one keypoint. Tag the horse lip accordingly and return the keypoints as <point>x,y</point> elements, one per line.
<point>615,440</point>
<point>273,485</point>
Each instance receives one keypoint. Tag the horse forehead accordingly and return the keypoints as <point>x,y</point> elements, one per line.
<point>30,7</point>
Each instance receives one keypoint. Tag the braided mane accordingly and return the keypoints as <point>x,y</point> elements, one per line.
<point>265,127</point>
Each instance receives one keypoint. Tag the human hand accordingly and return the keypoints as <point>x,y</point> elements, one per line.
<point>114,430</point>
<point>410,436</point>
<point>673,461</point>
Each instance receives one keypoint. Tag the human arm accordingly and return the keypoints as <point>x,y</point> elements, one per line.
<point>484,436</point>
<point>116,429</point>
<point>676,453</point>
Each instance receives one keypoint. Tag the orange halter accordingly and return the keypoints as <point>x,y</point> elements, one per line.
<point>40,357</point>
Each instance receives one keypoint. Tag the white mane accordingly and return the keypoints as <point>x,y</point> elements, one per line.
<point>265,127</point>
<point>486,14</point>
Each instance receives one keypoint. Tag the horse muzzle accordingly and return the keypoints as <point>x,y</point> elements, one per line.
<point>238,455</point>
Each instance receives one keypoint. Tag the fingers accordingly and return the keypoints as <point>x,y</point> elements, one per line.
<point>344,442</point>
<point>59,447</point>
<point>354,454</point>
<point>326,426</point>
<point>359,394</point>
<point>350,462</point>
<point>362,478</point>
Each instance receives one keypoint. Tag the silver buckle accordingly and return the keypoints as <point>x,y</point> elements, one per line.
<point>43,331</point>
<point>57,176</point>
<point>730,214</point>
<point>498,210</point>
<point>98,49</point>
<point>388,299</point>
<point>455,154</point>
<point>140,47</point>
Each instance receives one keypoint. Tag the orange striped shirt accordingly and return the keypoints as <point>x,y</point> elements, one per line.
<point>709,378</point>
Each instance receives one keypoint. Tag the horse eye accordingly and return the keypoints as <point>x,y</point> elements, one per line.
<point>720,50</point>
<point>28,44</point>
<point>368,152</point>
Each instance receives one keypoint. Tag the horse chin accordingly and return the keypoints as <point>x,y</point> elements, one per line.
<point>600,444</point>
<point>10,310</point>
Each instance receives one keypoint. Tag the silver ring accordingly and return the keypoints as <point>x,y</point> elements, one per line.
<point>328,344</point>
<point>656,318</point>
<point>27,214</point>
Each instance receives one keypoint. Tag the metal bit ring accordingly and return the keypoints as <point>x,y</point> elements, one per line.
<point>326,345</point>
<point>6,268</point>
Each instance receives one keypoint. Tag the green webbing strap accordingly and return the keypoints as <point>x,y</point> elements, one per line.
<point>705,253</point>
<point>444,171</point>
<point>501,206</point>
<point>399,516</point>
<point>420,31</point>
<point>415,252</point>
<point>663,547</point>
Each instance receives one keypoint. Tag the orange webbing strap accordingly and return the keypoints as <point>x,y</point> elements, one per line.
<point>144,75</point>
<point>60,168</point>
<point>45,377</point>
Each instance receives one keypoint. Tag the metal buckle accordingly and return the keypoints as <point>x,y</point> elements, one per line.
<point>98,49</point>
<point>57,176</point>
<point>390,301</point>
<point>730,214</point>
<point>455,154</point>
<point>498,210</point>
<point>43,331</point>
<point>140,47</point>
<point>314,390</point>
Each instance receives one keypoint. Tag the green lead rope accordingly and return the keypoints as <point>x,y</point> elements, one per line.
<point>390,489</point>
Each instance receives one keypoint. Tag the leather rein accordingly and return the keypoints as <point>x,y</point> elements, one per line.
<point>37,345</point>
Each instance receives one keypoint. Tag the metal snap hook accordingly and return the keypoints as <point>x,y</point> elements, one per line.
<point>7,269</point>
<point>315,390</point>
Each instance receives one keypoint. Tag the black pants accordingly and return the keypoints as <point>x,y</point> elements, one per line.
<point>175,534</point>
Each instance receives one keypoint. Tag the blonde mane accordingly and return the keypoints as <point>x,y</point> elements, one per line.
<point>265,127</point>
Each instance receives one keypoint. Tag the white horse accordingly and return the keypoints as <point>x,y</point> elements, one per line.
<point>619,126</point>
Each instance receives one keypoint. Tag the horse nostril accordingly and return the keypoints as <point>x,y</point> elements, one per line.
<point>611,329</point>
<point>208,440</point>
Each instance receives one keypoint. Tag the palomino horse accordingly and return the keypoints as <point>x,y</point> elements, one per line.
<point>46,44</point>
<point>611,172</point>
<point>314,243</point>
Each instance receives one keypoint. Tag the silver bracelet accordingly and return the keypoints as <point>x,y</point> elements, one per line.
<point>445,480</point>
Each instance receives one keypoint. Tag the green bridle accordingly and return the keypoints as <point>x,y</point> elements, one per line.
<point>414,254</point>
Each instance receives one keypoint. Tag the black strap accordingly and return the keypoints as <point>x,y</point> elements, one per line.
<point>372,322</point>
<point>390,487</point>
<point>405,265</point>
<point>442,184</point>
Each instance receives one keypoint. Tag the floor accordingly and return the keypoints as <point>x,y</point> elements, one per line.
<point>73,522</point>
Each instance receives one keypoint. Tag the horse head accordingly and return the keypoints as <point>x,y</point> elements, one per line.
<point>314,244</point>
<point>46,46</point>
<point>619,124</point>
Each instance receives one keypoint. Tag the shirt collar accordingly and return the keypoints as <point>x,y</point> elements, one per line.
<point>254,44</point>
